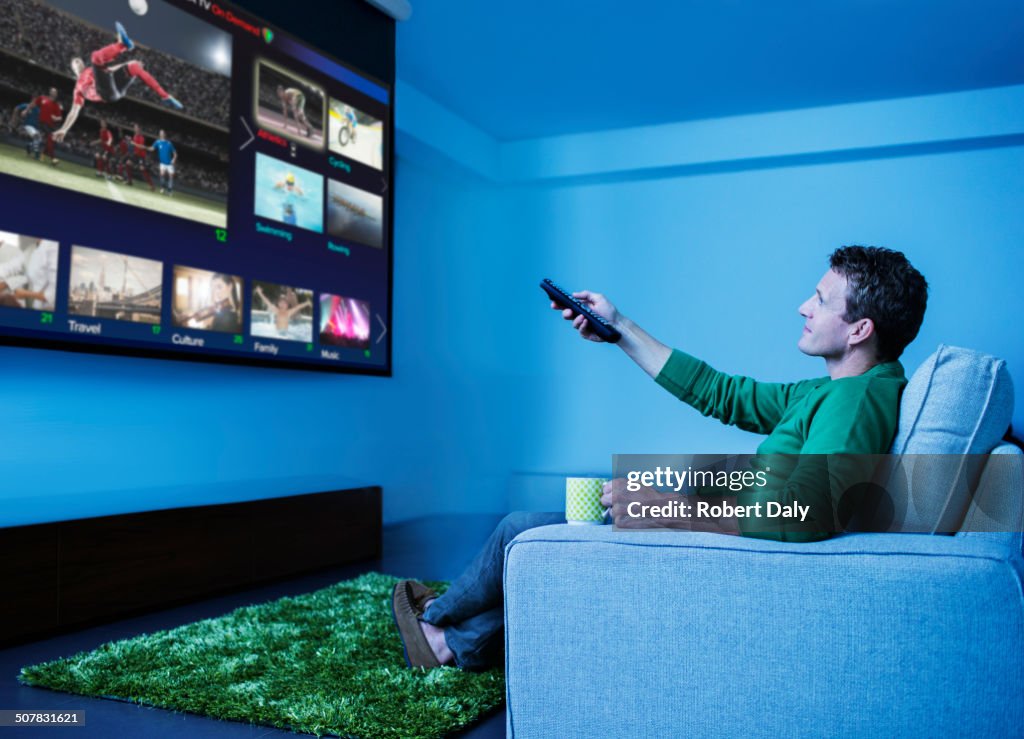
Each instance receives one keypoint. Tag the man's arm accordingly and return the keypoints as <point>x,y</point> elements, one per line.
<point>72,117</point>
<point>649,353</point>
<point>732,399</point>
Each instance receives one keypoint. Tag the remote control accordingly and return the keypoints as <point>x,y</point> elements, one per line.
<point>565,299</point>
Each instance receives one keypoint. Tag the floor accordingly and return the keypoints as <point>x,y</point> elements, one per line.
<point>436,548</point>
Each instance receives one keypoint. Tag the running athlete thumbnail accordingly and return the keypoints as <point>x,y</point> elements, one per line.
<point>289,104</point>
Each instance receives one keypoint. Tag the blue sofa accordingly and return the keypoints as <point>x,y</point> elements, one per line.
<point>666,634</point>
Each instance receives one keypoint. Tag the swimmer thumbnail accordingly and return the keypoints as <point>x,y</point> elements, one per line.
<point>289,104</point>
<point>28,272</point>
<point>344,322</point>
<point>280,312</point>
<point>289,194</point>
<point>355,134</point>
<point>354,214</point>
<point>105,284</point>
<point>210,301</point>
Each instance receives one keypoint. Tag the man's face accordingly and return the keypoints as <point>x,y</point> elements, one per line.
<point>825,332</point>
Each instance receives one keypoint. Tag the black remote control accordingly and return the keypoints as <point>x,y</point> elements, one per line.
<point>565,299</point>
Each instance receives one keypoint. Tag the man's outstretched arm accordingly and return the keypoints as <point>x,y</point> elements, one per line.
<point>732,399</point>
<point>72,117</point>
<point>649,353</point>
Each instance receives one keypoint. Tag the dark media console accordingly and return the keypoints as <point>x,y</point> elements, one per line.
<point>71,574</point>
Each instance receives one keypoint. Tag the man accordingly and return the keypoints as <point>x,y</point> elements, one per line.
<point>51,113</point>
<point>25,122</point>
<point>167,155</point>
<point>140,152</point>
<point>124,153</point>
<point>293,102</point>
<point>104,151</point>
<point>292,192</point>
<point>865,310</point>
<point>106,82</point>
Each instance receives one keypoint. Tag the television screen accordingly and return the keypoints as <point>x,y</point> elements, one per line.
<point>179,179</point>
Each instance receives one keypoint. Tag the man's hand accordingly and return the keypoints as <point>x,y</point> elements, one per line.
<point>618,498</point>
<point>596,302</point>
<point>58,136</point>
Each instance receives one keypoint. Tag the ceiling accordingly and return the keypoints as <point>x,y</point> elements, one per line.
<point>544,67</point>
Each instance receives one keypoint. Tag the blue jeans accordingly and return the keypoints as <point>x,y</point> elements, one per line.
<point>471,612</point>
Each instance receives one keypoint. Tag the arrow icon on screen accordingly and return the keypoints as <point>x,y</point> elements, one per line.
<point>252,136</point>
<point>383,326</point>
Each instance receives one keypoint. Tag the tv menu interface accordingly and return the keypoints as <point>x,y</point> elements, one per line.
<point>178,177</point>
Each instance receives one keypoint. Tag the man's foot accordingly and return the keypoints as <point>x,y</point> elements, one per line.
<point>172,103</point>
<point>415,646</point>
<point>122,36</point>
<point>435,638</point>
<point>420,595</point>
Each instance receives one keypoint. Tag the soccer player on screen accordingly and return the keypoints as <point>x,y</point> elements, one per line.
<point>168,156</point>
<point>105,152</point>
<point>293,102</point>
<point>51,113</point>
<point>25,122</point>
<point>106,82</point>
<point>124,153</point>
<point>140,152</point>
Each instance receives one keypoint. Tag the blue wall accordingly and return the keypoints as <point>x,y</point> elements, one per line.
<point>489,385</point>
<point>718,264</point>
<point>92,435</point>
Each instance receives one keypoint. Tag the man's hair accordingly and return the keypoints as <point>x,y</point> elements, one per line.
<point>885,287</point>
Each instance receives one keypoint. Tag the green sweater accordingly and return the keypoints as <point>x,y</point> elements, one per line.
<point>851,415</point>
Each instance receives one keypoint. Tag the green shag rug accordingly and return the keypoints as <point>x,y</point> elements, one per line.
<point>329,662</point>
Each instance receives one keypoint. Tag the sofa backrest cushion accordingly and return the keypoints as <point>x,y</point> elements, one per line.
<point>958,402</point>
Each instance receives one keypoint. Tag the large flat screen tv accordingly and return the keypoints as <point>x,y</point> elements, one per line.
<point>180,179</point>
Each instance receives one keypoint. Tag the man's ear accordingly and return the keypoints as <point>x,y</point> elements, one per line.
<point>861,331</point>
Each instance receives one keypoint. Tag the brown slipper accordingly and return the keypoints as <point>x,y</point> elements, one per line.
<point>415,647</point>
<point>419,594</point>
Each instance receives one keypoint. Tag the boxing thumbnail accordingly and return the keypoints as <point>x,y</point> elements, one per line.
<point>280,312</point>
<point>105,284</point>
<point>289,194</point>
<point>211,301</point>
<point>289,104</point>
<point>354,214</point>
<point>28,272</point>
<point>344,322</point>
<point>102,98</point>
<point>354,134</point>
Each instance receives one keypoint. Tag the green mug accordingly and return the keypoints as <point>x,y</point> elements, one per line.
<point>583,500</point>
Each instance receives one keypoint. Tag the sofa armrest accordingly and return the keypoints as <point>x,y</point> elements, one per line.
<point>686,634</point>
